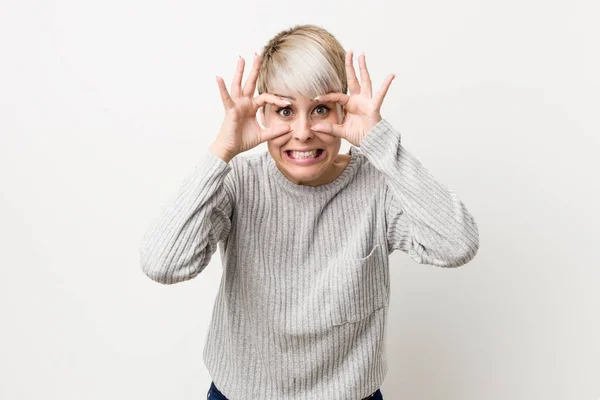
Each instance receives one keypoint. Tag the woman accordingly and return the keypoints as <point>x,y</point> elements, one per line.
<point>305,233</point>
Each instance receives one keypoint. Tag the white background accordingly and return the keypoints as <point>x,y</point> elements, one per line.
<point>105,107</point>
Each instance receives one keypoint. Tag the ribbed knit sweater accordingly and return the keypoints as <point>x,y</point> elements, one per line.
<point>301,309</point>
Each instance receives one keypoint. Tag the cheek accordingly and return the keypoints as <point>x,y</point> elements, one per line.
<point>278,142</point>
<point>274,149</point>
<point>328,140</point>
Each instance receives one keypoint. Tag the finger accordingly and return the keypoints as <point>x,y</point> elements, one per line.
<point>227,101</point>
<point>384,89</point>
<point>236,84</point>
<point>353,85</point>
<point>274,132</point>
<point>365,79</point>
<point>265,98</point>
<point>250,85</point>
<point>336,97</point>
<point>327,127</point>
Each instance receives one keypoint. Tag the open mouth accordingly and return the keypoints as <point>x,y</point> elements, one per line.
<point>305,156</point>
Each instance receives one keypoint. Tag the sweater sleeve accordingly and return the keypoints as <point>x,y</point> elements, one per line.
<point>180,242</point>
<point>424,218</point>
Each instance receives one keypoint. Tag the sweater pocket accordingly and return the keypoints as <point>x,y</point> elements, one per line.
<point>357,287</point>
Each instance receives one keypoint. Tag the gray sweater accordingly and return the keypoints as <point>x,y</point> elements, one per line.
<point>301,310</point>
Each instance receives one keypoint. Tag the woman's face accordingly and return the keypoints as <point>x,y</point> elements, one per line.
<point>310,169</point>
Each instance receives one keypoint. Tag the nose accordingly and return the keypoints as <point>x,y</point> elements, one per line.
<point>301,129</point>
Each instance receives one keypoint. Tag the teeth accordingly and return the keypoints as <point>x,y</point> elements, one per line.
<point>304,154</point>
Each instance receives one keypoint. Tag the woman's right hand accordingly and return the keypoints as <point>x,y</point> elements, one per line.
<point>240,130</point>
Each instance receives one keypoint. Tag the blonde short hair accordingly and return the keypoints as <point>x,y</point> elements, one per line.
<point>304,59</point>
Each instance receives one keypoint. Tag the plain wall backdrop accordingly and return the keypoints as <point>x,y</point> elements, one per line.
<point>105,107</point>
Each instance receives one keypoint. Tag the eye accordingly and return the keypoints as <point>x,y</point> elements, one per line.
<point>284,112</point>
<point>322,110</point>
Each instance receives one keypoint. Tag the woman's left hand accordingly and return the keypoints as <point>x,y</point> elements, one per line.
<point>362,109</point>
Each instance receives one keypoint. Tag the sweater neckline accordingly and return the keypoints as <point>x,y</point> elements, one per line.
<point>341,179</point>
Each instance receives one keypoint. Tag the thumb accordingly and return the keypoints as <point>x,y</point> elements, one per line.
<point>328,127</point>
<point>274,131</point>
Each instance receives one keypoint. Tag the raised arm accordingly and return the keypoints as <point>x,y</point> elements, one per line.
<point>181,241</point>
<point>424,218</point>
